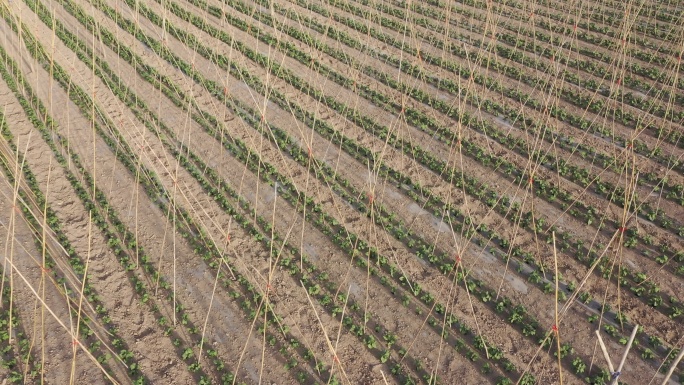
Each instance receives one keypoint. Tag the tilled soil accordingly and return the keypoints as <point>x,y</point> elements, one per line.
<point>181,297</point>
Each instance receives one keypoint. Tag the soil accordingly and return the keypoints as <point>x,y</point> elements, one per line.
<point>218,325</point>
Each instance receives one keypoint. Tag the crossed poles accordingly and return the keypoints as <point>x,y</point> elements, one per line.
<point>614,374</point>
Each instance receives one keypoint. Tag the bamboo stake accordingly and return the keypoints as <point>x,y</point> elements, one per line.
<point>673,366</point>
<point>63,325</point>
<point>616,374</point>
<point>557,321</point>
<point>333,349</point>
<point>605,352</point>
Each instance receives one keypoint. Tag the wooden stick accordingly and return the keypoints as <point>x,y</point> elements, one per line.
<point>615,375</point>
<point>673,366</point>
<point>557,322</point>
<point>605,352</point>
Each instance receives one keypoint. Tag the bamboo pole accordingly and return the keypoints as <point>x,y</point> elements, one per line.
<point>605,352</point>
<point>617,373</point>
<point>673,366</point>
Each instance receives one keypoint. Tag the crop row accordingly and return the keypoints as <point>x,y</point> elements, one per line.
<point>578,174</point>
<point>195,172</point>
<point>596,82</point>
<point>623,273</point>
<point>219,91</point>
<point>419,119</point>
<point>470,148</point>
<point>586,65</point>
<point>542,18</point>
<point>605,14</point>
<point>41,122</point>
<point>515,39</point>
<point>142,286</point>
<point>275,70</point>
<point>15,344</point>
<point>513,72</point>
<point>266,173</point>
<point>267,170</point>
<point>672,191</point>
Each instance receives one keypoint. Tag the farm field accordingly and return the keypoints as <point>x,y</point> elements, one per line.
<point>341,192</point>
